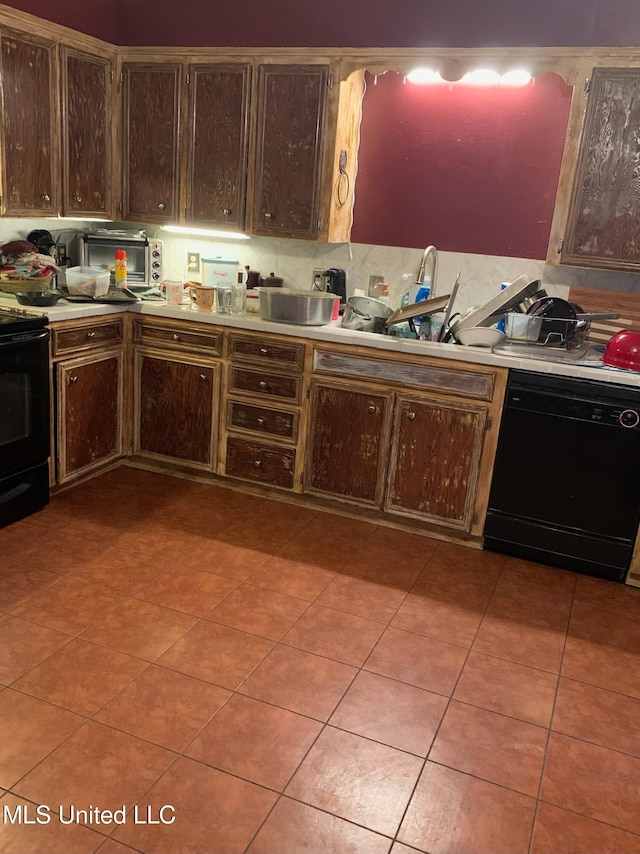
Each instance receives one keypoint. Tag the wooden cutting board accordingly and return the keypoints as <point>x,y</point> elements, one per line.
<point>592,300</point>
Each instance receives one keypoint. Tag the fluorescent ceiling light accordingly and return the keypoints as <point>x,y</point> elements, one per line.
<point>205,232</point>
<point>517,77</point>
<point>424,75</point>
<point>481,77</point>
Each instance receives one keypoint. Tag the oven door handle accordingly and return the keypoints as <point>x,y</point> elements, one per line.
<point>40,336</point>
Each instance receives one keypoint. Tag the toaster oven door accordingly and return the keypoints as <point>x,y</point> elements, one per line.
<point>98,251</point>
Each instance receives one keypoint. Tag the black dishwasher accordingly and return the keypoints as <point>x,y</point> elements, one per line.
<point>566,482</point>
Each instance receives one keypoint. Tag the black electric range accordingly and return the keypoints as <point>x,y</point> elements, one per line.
<point>19,320</point>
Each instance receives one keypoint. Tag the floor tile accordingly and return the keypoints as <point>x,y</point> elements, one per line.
<point>110,846</point>
<point>342,774</point>
<point>16,538</point>
<point>140,628</point>
<point>259,742</point>
<point>259,611</point>
<point>607,667</point>
<point>524,643</point>
<point>484,564</point>
<point>216,654</point>
<point>403,542</point>
<point>293,828</point>
<point>362,598</point>
<point>383,566</point>
<point>189,590</point>
<point>609,594</point>
<point>69,606</point>
<point>602,717</point>
<point>96,766</point>
<point>281,511</point>
<point>531,604</point>
<point>23,645</point>
<point>122,570</point>
<point>268,539</point>
<point>417,660</point>
<point>593,781</point>
<point>490,746</point>
<point>557,830</point>
<point>51,838</point>
<point>399,848</point>
<point>465,587</point>
<point>390,712</point>
<point>30,730</point>
<point>214,812</point>
<point>232,561</point>
<point>61,552</point>
<point>518,570</point>
<point>81,677</point>
<point>511,689</point>
<point>292,578</point>
<point>341,528</point>
<point>19,583</point>
<point>607,626</point>
<point>444,621</point>
<point>334,634</point>
<point>453,813</point>
<point>299,681</point>
<point>164,707</point>
<point>316,549</point>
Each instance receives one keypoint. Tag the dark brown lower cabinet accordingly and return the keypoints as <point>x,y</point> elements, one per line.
<point>175,409</point>
<point>348,442</point>
<point>264,463</point>
<point>89,396</point>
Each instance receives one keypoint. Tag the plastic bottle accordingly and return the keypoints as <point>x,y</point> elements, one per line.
<point>424,290</point>
<point>121,268</point>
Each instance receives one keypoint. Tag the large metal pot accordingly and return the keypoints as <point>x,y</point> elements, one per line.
<point>366,314</point>
<point>302,308</point>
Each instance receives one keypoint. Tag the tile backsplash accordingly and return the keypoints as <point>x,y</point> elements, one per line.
<point>294,260</point>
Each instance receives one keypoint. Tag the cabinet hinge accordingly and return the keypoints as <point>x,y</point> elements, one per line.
<point>330,81</point>
<point>561,244</point>
<point>587,86</point>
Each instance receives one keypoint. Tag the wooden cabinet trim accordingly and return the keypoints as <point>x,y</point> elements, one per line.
<point>265,351</point>
<point>256,420</point>
<point>180,336</point>
<point>263,384</point>
<point>79,338</point>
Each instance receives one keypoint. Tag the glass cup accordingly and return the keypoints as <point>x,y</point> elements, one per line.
<point>238,298</point>
<point>223,299</point>
<point>174,291</point>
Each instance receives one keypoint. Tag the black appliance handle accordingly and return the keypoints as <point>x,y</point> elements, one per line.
<point>25,339</point>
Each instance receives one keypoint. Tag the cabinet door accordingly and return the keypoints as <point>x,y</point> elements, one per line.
<point>86,83</point>
<point>174,402</point>
<point>29,139</point>
<point>291,106</point>
<point>89,404</point>
<point>217,144</point>
<point>150,141</point>
<point>604,224</point>
<point>435,460</point>
<point>348,442</point>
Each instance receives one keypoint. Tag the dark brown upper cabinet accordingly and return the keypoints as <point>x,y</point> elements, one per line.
<point>288,161</point>
<point>29,136</point>
<point>151,95</point>
<point>217,144</point>
<point>604,224</point>
<point>87,174</point>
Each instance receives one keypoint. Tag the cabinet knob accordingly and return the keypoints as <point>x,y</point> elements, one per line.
<point>268,215</point>
<point>77,199</point>
<point>46,197</point>
<point>263,351</point>
<point>411,415</point>
<point>372,408</point>
<point>262,384</point>
<point>91,334</point>
<point>176,337</point>
<point>257,463</point>
<point>162,206</point>
<point>203,377</point>
<point>73,379</point>
<point>260,421</point>
<point>227,211</point>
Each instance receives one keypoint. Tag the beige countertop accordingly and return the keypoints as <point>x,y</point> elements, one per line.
<point>334,333</point>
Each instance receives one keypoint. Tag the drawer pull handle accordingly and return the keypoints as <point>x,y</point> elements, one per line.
<point>162,206</point>
<point>262,384</point>
<point>261,421</point>
<point>203,377</point>
<point>411,415</point>
<point>46,197</point>
<point>176,337</point>
<point>73,379</point>
<point>77,199</point>
<point>263,351</point>
<point>91,334</point>
<point>257,463</point>
<point>372,408</point>
<point>268,215</point>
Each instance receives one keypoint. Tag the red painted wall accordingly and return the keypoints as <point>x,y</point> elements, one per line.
<point>98,18</point>
<point>467,169</point>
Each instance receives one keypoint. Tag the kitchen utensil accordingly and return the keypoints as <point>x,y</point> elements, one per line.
<point>419,309</point>
<point>301,308</point>
<point>39,298</point>
<point>623,351</point>
<point>445,332</point>
<point>88,281</point>
<point>480,336</point>
<point>271,281</point>
<point>366,314</point>
<point>497,306</point>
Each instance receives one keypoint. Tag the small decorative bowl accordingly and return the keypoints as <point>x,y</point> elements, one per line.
<point>480,336</point>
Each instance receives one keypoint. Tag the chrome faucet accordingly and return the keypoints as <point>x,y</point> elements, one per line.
<point>430,255</point>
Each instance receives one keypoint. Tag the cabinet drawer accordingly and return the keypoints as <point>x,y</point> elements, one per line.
<point>82,338</point>
<point>201,339</point>
<point>258,419</point>
<point>264,384</point>
<point>264,463</point>
<point>264,350</point>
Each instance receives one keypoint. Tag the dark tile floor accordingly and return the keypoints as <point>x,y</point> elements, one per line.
<point>292,681</point>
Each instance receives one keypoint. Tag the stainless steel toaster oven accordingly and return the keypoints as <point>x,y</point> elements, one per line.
<point>144,256</point>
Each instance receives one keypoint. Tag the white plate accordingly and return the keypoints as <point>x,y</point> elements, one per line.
<point>510,297</point>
